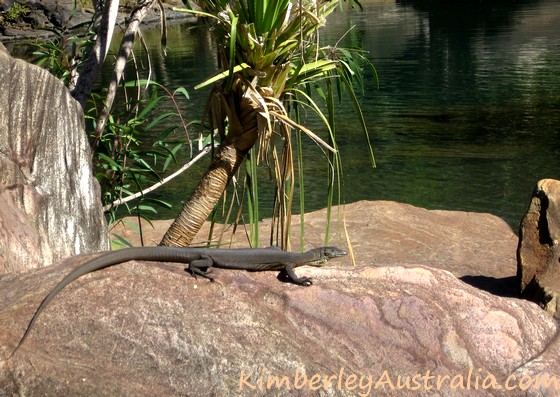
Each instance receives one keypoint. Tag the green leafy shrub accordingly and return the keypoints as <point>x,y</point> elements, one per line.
<point>124,164</point>
<point>13,14</point>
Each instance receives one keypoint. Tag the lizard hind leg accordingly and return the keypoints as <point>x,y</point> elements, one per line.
<point>196,267</point>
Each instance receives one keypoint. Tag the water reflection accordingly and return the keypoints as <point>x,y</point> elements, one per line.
<point>467,114</point>
<point>468,110</point>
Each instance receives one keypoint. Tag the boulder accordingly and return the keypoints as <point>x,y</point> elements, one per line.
<point>395,323</point>
<point>538,252</point>
<point>5,5</point>
<point>148,329</point>
<point>50,198</point>
<point>387,232</point>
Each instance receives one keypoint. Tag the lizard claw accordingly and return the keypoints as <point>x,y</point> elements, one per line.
<point>305,281</point>
<point>288,275</point>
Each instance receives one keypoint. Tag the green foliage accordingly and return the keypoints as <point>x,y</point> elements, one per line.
<point>64,53</point>
<point>13,14</point>
<point>124,164</point>
<point>268,49</point>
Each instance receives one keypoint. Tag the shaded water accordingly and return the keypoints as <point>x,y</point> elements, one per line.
<point>468,113</point>
<point>466,117</point>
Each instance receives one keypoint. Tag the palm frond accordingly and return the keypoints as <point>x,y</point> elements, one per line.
<point>270,59</point>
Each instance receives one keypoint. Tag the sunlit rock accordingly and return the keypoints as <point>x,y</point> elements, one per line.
<point>50,206</point>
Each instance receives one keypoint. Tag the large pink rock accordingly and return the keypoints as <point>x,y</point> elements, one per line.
<point>151,329</point>
<point>385,233</point>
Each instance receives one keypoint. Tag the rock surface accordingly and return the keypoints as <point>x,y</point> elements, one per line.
<point>131,335</point>
<point>151,329</point>
<point>60,14</point>
<point>35,15</point>
<point>538,252</point>
<point>50,198</point>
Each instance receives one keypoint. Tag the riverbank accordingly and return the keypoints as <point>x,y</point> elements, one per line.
<point>40,20</point>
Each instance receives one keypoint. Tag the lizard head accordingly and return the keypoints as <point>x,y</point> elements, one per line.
<point>325,254</point>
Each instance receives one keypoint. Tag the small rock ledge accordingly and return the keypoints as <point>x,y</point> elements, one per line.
<point>538,251</point>
<point>40,16</point>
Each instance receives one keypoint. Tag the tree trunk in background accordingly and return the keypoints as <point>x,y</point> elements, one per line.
<point>242,134</point>
<point>127,42</point>
<point>82,84</point>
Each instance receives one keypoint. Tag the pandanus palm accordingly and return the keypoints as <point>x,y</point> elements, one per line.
<point>270,57</point>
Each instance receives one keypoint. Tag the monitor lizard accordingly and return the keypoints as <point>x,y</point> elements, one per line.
<point>200,261</point>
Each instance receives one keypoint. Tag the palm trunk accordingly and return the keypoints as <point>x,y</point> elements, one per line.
<point>209,190</point>
<point>243,133</point>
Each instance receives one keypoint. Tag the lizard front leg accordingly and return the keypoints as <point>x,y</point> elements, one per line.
<point>289,272</point>
<point>196,267</point>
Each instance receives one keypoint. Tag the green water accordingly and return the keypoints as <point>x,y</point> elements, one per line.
<point>466,117</point>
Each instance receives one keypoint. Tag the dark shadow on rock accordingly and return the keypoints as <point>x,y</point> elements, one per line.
<point>506,287</point>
